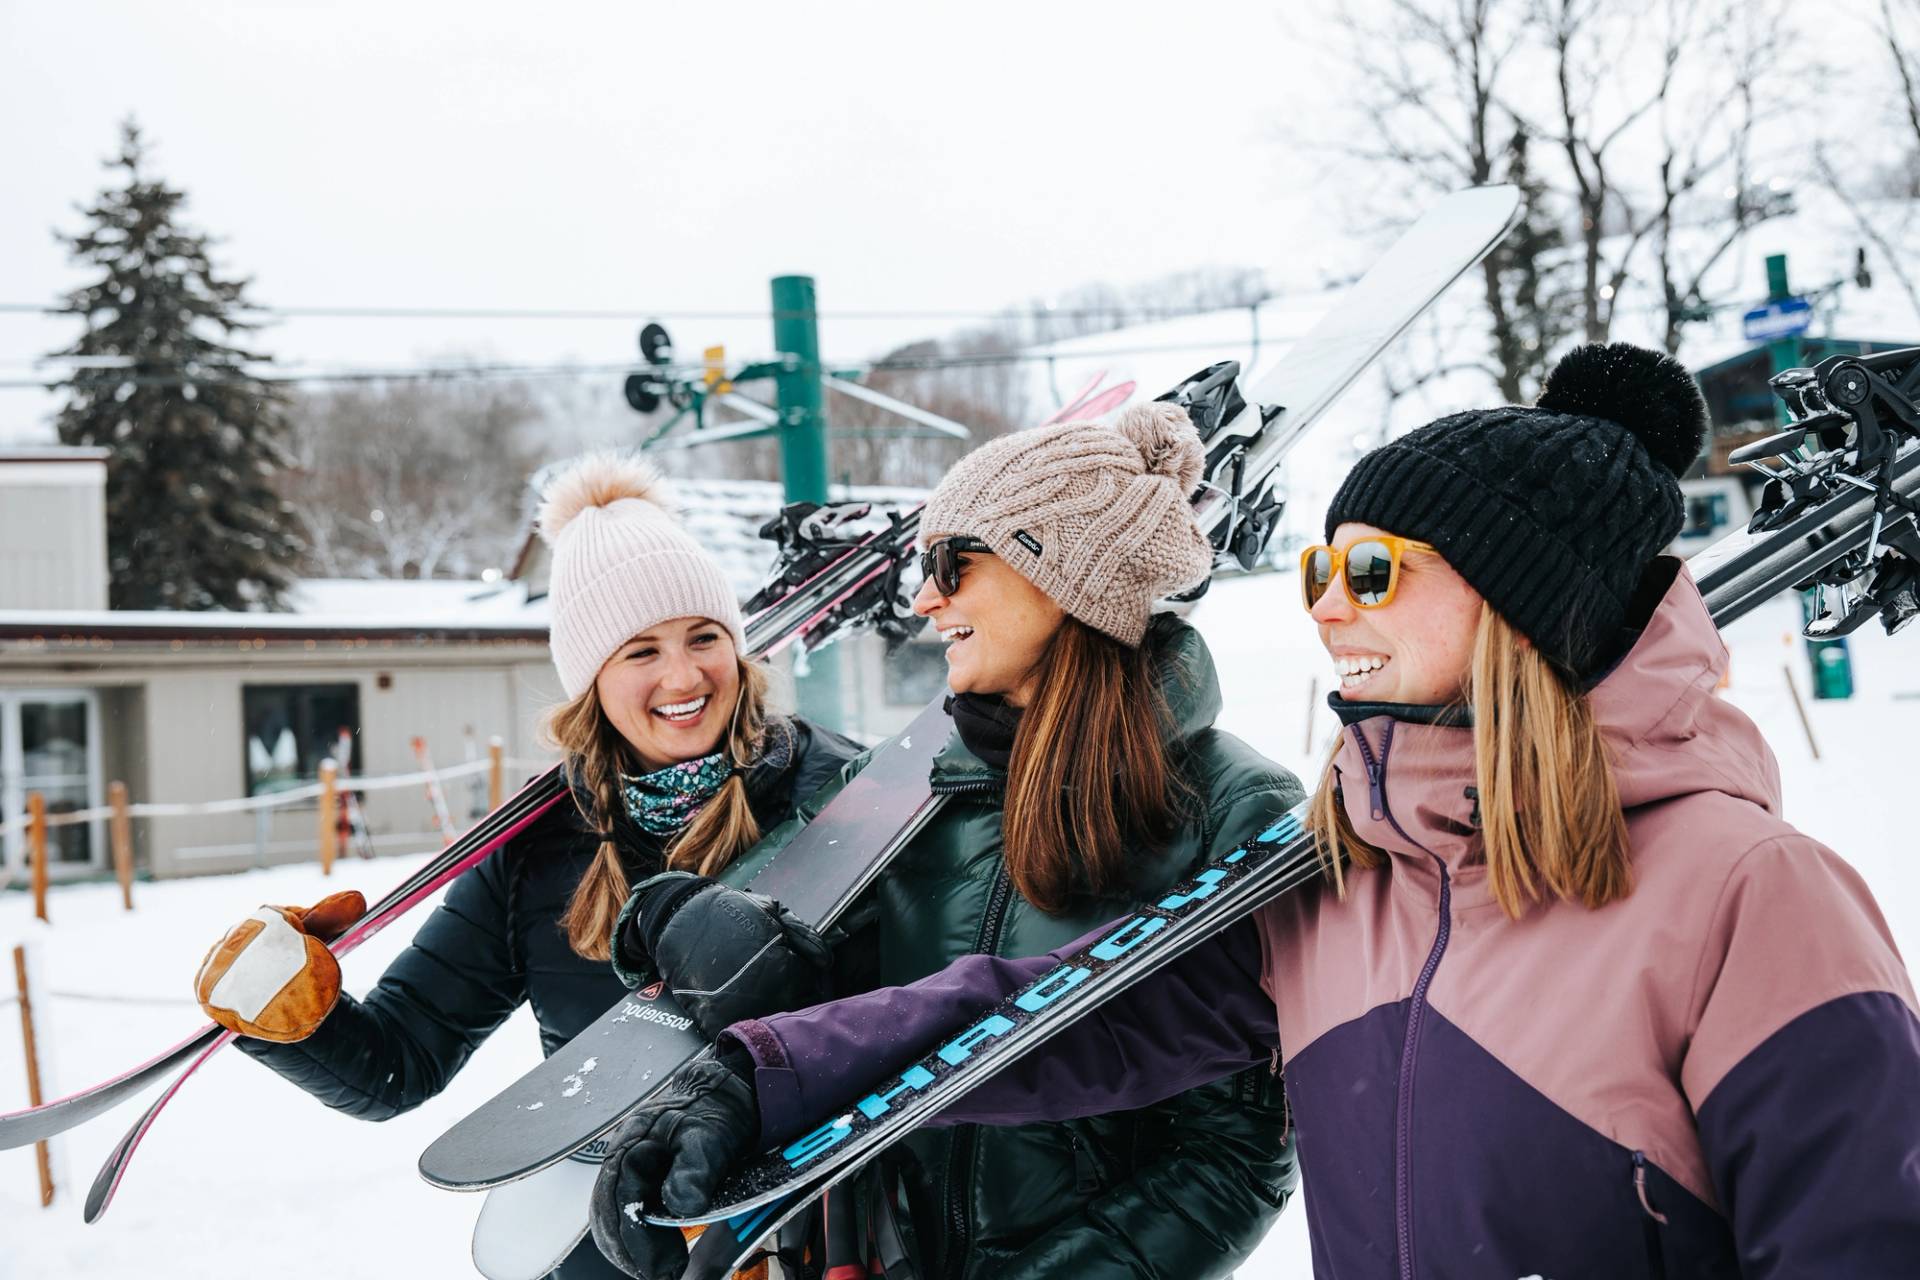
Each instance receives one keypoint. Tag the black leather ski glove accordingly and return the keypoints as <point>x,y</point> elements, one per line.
<point>725,955</point>
<point>671,1154</point>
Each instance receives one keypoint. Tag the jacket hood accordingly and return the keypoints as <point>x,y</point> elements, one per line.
<point>1408,785</point>
<point>1188,680</point>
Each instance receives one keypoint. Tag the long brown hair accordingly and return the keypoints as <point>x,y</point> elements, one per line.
<point>1090,772</point>
<point>722,829</point>
<point>1550,814</point>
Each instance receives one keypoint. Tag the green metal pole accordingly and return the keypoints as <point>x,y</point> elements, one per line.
<point>803,413</point>
<point>803,464</point>
<point>1782,353</point>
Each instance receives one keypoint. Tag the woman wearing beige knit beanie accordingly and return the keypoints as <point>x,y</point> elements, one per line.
<point>1084,774</point>
<point>676,759</point>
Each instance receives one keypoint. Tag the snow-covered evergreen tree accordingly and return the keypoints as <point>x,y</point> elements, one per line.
<point>193,518</point>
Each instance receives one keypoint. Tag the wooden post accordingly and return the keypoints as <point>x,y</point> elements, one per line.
<point>1806,725</point>
<point>120,835</point>
<point>329,824</point>
<point>496,773</point>
<point>37,849</point>
<point>42,1156</point>
<point>1313,701</point>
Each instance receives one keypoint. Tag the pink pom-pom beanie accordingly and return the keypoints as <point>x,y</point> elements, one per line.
<point>622,562</point>
<point>1096,516</point>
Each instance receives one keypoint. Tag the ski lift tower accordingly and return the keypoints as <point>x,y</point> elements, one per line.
<point>798,416</point>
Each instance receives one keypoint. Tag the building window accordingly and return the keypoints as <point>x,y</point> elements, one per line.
<point>50,744</point>
<point>291,728</point>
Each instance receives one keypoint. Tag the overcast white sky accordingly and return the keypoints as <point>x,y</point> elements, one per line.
<point>668,157</point>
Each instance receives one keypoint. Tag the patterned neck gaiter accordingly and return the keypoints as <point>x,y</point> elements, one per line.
<point>665,800</point>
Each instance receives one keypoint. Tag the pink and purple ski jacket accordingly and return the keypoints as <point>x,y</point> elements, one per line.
<point>1718,1076</point>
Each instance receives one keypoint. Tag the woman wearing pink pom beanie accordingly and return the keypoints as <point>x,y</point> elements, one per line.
<point>677,760</point>
<point>1084,773</point>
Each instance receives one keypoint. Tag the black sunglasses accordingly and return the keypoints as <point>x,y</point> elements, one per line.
<point>940,563</point>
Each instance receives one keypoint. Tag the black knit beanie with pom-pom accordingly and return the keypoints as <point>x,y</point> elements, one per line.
<point>1552,513</point>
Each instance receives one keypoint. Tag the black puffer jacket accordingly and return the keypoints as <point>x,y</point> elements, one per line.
<point>496,942</point>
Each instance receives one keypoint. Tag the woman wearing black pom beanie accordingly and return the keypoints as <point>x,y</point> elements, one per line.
<point>1573,1000</point>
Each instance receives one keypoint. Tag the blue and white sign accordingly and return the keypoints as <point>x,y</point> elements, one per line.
<point>1787,318</point>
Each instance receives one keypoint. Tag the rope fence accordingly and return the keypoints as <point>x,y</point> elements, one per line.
<point>338,820</point>
<point>271,800</point>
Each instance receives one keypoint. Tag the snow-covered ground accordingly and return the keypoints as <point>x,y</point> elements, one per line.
<point>243,1168</point>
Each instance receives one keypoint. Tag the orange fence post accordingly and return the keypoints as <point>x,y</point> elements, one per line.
<point>42,1157</point>
<point>37,849</point>
<point>120,835</point>
<point>329,825</point>
<point>496,773</point>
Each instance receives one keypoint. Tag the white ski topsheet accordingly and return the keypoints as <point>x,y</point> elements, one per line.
<point>527,1228</point>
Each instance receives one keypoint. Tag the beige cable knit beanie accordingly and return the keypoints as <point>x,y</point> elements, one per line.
<point>1096,516</point>
<point>622,562</point>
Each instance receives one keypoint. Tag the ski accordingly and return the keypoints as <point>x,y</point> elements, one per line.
<point>488,834</point>
<point>586,1087</point>
<point>1070,406</point>
<point>1841,512</point>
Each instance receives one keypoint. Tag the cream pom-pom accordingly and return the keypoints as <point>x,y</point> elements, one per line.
<point>598,480</point>
<point>1168,443</point>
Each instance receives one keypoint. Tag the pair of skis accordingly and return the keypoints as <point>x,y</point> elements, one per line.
<point>504,1142</point>
<point>1842,511</point>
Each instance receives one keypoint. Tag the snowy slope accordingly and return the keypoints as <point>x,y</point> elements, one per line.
<point>243,1164</point>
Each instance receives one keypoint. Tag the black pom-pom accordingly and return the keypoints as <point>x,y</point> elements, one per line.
<point>1648,392</point>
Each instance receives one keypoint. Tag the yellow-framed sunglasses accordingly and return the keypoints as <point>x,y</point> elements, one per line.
<point>1369,570</point>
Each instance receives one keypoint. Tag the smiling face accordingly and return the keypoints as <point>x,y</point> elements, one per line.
<point>671,690</point>
<point>1416,650</point>
<point>996,627</point>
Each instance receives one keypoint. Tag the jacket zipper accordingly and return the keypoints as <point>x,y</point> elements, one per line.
<point>1417,1006</point>
<point>986,942</point>
<point>1651,1220</point>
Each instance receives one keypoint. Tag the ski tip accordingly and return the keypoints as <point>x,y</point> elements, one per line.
<point>105,1183</point>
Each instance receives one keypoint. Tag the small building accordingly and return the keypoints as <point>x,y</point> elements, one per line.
<point>201,708</point>
<point>191,708</point>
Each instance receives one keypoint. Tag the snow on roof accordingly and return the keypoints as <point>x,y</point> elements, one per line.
<point>446,610</point>
<point>433,598</point>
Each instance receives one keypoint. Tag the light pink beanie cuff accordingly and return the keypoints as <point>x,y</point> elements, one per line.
<point>622,562</point>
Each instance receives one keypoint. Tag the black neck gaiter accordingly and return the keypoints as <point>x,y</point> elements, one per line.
<point>987,725</point>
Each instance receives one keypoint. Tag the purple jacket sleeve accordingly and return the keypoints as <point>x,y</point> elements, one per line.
<point>1814,1143</point>
<point>1202,1017</point>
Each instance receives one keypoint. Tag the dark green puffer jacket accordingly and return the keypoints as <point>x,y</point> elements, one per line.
<point>1183,1189</point>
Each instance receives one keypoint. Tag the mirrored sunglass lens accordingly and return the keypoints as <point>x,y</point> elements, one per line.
<point>1319,574</point>
<point>946,568</point>
<point>1369,572</point>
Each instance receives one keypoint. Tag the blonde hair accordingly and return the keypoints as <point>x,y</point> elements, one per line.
<point>723,828</point>
<point>1550,814</point>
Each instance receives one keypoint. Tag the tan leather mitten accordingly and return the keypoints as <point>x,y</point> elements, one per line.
<point>271,977</point>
